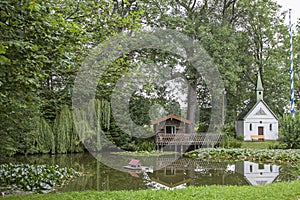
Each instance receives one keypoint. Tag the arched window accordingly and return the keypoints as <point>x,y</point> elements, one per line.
<point>270,127</point>
<point>250,127</point>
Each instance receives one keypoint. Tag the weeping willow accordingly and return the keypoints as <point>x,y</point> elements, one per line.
<point>91,121</point>
<point>45,137</point>
<point>61,130</point>
<point>66,137</point>
<point>103,113</point>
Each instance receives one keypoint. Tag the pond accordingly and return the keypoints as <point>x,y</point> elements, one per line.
<point>179,173</point>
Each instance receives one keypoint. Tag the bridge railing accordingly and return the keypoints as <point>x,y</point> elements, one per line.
<point>208,139</point>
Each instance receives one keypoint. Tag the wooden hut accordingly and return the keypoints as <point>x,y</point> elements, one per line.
<point>171,131</point>
<point>171,125</point>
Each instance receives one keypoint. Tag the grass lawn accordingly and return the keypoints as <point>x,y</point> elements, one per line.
<point>282,191</point>
<point>258,144</point>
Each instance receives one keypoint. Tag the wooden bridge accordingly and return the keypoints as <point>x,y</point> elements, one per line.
<point>199,139</point>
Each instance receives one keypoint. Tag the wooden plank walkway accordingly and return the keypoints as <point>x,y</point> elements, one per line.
<point>201,139</point>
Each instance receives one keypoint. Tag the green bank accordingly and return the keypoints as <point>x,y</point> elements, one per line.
<point>273,191</point>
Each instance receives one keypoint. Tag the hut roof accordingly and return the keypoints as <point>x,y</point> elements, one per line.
<point>171,116</point>
<point>134,162</point>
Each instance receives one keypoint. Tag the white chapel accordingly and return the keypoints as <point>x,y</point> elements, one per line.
<point>257,121</point>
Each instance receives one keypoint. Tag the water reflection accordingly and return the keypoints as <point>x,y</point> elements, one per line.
<point>258,174</point>
<point>185,171</point>
<point>166,174</point>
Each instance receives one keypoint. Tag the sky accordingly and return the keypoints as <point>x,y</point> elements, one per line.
<point>290,4</point>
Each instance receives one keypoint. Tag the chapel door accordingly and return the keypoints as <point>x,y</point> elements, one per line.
<point>261,132</point>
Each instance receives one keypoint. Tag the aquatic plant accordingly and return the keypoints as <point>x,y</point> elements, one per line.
<point>26,177</point>
<point>262,155</point>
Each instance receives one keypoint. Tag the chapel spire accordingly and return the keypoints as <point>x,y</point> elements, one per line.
<point>259,88</point>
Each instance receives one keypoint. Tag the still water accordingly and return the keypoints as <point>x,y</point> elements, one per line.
<point>179,173</point>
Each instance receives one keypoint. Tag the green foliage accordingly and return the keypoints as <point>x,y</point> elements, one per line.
<point>63,128</point>
<point>91,123</point>
<point>229,130</point>
<point>42,44</point>
<point>201,127</point>
<point>230,142</point>
<point>66,137</point>
<point>44,140</point>
<point>239,45</point>
<point>34,178</point>
<point>278,146</point>
<point>240,137</point>
<point>289,130</point>
<point>261,155</point>
<point>146,146</point>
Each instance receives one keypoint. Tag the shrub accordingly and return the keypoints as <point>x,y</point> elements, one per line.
<point>230,142</point>
<point>146,146</point>
<point>202,127</point>
<point>229,130</point>
<point>240,137</point>
<point>290,131</point>
<point>278,146</point>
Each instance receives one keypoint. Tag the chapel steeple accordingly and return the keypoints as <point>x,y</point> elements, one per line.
<point>259,88</point>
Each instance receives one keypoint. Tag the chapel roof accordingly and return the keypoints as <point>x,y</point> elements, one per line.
<point>249,108</point>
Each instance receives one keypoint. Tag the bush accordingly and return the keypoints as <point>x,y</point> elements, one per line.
<point>240,137</point>
<point>229,130</point>
<point>202,127</point>
<point>146,146</point>
<point>290,131</point>
<point>278,146</point>
<point>230,142</point>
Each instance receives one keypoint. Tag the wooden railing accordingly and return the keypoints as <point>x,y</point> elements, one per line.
<point>207,139</point>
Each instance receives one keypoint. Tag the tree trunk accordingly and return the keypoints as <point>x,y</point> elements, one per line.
<point>192,106</point>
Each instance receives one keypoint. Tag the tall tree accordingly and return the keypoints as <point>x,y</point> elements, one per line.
<point>240,35</point>
<point>42,44</point>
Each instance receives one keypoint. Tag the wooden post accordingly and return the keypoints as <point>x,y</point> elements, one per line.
<point>181,149</point>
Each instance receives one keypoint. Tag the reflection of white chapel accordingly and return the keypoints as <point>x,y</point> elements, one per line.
<point>258,174</point>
